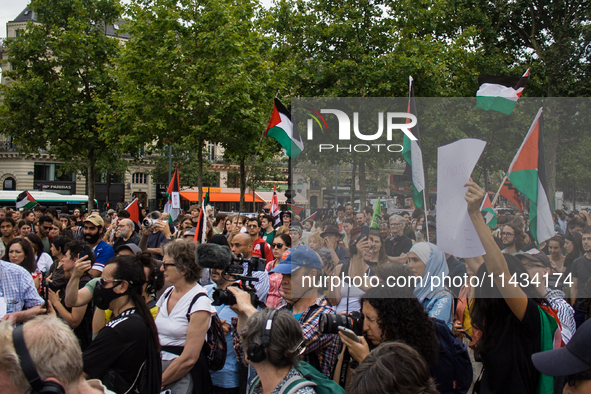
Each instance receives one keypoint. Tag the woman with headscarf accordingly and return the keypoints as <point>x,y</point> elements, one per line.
<point>427,262</point>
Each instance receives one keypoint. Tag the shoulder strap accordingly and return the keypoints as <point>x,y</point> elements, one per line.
<point>254,384</point>
<point>168,292</point>
<point>295,383</point>
<point>311,310</point>
<point>197,296</point>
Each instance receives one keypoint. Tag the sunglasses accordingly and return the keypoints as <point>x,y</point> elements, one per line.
<point>104,281</point>
<point>253,226</point>
<point>278,246</point>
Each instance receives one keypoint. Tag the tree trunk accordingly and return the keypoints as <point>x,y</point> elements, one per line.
<point>200,171</point>
<point>242,183</point>
<point>353,181</point>
<point>362,184</point>
<point>90,179</point>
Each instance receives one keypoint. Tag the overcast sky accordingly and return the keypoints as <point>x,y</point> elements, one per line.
<point>11,8</point>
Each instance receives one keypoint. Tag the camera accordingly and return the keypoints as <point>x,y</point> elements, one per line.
<point>149,222</point>
<point>330,323</point>
<point>236,270</point>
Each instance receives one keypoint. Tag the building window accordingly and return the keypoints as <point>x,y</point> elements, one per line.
<point>51,172</point>
<point>139,177</point>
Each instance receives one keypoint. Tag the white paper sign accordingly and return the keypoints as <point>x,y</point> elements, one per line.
<point>176,200</point>
<point>2,307</point>
<point>455,232</point>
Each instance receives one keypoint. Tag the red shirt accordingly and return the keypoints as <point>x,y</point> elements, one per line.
<point>262,249</point>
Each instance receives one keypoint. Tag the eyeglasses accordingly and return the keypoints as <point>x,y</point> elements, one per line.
<point>507,234</point>
<point>104,281</point>
<point>278,246</point>
<point>572,380</point>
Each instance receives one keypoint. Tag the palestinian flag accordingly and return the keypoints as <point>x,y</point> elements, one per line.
<point>134,211</point>
<point>377,214</point>
<point>201,229</point>
<point>528,174</point>
<point>311,217</point>
<point>486,208</point>
<point>281,128</point>
<point>411,153</point>
<point>25,201</point>
<point>295,209</point>
<point>275,212</point>
<point>510,193</point>
<point>500,93</point>
<point>173,203</point>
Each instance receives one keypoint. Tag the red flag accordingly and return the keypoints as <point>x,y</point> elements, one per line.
<point>510,193</point>
<point>134,211</point>
<point>311,217</point>
<point>295,209</point>
<point>201,229</point>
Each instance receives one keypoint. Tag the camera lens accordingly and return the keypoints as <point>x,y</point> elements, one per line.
<point>329,323</point>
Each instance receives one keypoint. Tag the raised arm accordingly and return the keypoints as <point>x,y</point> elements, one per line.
<point>493,258</point>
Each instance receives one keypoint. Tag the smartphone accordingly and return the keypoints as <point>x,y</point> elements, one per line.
<point>84,251</point>
<point>349,334</point>
<point>364,231</point>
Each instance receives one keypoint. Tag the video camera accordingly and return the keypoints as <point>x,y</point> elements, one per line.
<point>219,257</point>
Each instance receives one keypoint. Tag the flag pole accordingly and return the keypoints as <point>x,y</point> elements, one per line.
<point>425,210</point>
<point>498,191</point>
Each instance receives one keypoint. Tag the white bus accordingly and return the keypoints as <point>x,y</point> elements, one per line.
<point>47,199</point>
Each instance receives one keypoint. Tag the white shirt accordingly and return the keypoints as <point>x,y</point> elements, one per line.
<point>172,325</point>
<point>44,263</point>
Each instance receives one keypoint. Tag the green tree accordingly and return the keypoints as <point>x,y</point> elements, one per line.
<point>61,83</point>
<point>190,73</point>
<point>188,163</point>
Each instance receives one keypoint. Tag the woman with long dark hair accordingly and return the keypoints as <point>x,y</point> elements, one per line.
<point>42,259</point>
<point>20,252</point>
<point>507,315</point>
<point>280,244</point>
<point>376,254</point>
<point>129,342</point>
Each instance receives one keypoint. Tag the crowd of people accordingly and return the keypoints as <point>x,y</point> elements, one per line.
<point>99,303</point>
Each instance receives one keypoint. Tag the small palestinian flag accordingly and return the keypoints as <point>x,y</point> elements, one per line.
<point>201,229</point>
<point>490,217</point>
<point>173,204</point>
<point>528,174</point>
<point>281,128</point>
<point>275,212</point>
<point>500,93</point>
<point>25,201</point>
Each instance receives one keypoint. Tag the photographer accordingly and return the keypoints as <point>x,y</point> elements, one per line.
<point>241,243</point>
<point>303,301</point>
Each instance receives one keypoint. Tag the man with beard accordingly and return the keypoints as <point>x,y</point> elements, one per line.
<point>260,248</point>
<point>103,252</point>
<point>125,234</point>
<point>512,238</point>
<point>45,223</point>
<point>242,244</point>
<point>349,211</point>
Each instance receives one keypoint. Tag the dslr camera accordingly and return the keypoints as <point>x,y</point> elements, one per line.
<point>330,323</point>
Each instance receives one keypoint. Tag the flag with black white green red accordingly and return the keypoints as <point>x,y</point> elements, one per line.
<point>490,217</point>
<point>281,128</point>
<point>527,173</point>
<point>275,212</point>
<point>173,198</point>
<point>376,217</point>
<point>411,153</point>
<point>201,229</point>
<point>500,93</point>
<point>25,201</point>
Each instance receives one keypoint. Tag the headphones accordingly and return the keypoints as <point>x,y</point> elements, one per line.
<point>256,352</point>
<point>26,363</point>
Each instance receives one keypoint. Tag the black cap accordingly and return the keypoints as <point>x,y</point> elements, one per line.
<point>574,358</point>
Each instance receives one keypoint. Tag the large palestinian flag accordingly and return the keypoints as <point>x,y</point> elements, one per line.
<point>173,203</point>
<point>499,93</point>
<point>411,153</point>
<point>281,128</point>
<point>528,174</point>
<point>25,201</point>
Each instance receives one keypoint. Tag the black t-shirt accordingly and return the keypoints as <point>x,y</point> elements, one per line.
<point>582,271</point>
<point>507,366</point>
<point>118,351</point>
<point>134,239</point>
<point>84,330</point>
<point>395,246</point>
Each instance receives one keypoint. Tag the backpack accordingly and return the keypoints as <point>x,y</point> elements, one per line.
<point>453,369</point>
<point>311,378</point>
<point>215,346</point>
